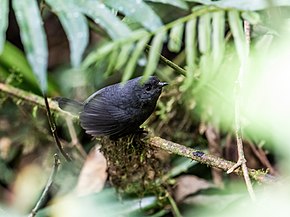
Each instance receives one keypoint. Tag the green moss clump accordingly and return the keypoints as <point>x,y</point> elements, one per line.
<point>134,167</point>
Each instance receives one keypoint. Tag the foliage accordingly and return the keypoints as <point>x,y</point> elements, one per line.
<point>205,42</point>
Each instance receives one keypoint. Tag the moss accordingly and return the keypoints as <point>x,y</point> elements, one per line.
<point>134,167</point>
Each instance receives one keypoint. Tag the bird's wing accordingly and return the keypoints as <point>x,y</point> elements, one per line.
<point>101,117</point>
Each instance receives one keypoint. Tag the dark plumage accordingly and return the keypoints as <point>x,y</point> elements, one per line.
<point>118,109</point>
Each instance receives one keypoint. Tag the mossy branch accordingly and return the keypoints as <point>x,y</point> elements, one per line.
<point>201,157</point>
<point>207,159</point>
<point>32,99</point>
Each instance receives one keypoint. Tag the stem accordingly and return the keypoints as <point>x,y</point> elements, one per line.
<point>47,188</point>
<point>238,129</point>
<point>53,131</point>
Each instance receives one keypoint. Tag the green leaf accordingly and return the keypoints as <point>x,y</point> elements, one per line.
<point>33,38</point>
<point>252,17</point>
<point>112,62</point>
<point>238,33</point>
<point>175,37</point>
<point>204,33</point>
<point>190,50</point>
<point>99,54</point>
<point>154,54</point>
<point>134,58</point>
<point>75,26</point>
<point>123,56</point>
<point>177,3</point>
<point>8,59</point>
<point>137,10</point>
<point>247,5</point>
<point>218,37</point>
<point>103,16</point>
<point>3,22</point>
<point>109,47</point>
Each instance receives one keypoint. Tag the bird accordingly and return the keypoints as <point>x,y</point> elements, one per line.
<point>116,110</point>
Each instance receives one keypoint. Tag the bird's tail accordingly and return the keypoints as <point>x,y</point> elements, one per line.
<point>69,105</point>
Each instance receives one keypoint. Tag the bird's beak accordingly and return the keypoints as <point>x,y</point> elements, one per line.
<point>162,84</point>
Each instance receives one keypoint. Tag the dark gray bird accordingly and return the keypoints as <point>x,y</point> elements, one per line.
<point>116,110</point>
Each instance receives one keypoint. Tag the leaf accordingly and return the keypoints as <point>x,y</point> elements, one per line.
<point>154,54</point>
<point>109,47</point>
<point>247,5</point>
<point>137,10</point>
<point>75,26</point>
<point>33,38</point>
<point>204,33</point>
<point>103,16</point>
<point>112,61</point>
<point>190,50</point>
<point>93,174</point>
<point>237,30</point>
<point>134,58</point>
<point>189,184</point>
<point>252,17</point>
<point>177,3</point>
<point>218,38</point>
<point>8,59</point>
<point>99,54</point>
<point>104,204</point>
<point>175,37</point>
<point>3,22</point>
<point>123,56</point>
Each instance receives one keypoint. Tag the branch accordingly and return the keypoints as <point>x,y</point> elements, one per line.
<point>32,99</point>
<point>52,126</point>
<point>47,188</point>
<point>238,127</point>
<point>207,159</point>
<point>48,104</point>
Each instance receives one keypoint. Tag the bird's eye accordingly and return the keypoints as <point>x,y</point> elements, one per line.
<point>148,87</point>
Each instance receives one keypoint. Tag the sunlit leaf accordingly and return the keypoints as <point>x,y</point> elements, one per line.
<point>218,37</point>
<point>75,26</point>
<point>104,17</point>
<point>252,17</point>
<point>33,38</point>
<point>175,37</point>
<point>154,54</point>
<point>176,3</point>
<point>3,22</point>
<point>137,10</point>
<point>204,33</point>
<point>244,4</point>
<point>237,30</point>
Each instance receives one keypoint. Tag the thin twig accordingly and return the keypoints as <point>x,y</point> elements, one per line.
<point>175,210</point>
<point>260,154</point>
<point>74,139</point>
<point>47,188</point>
<point>53,131</point>
<point>238,131</point>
